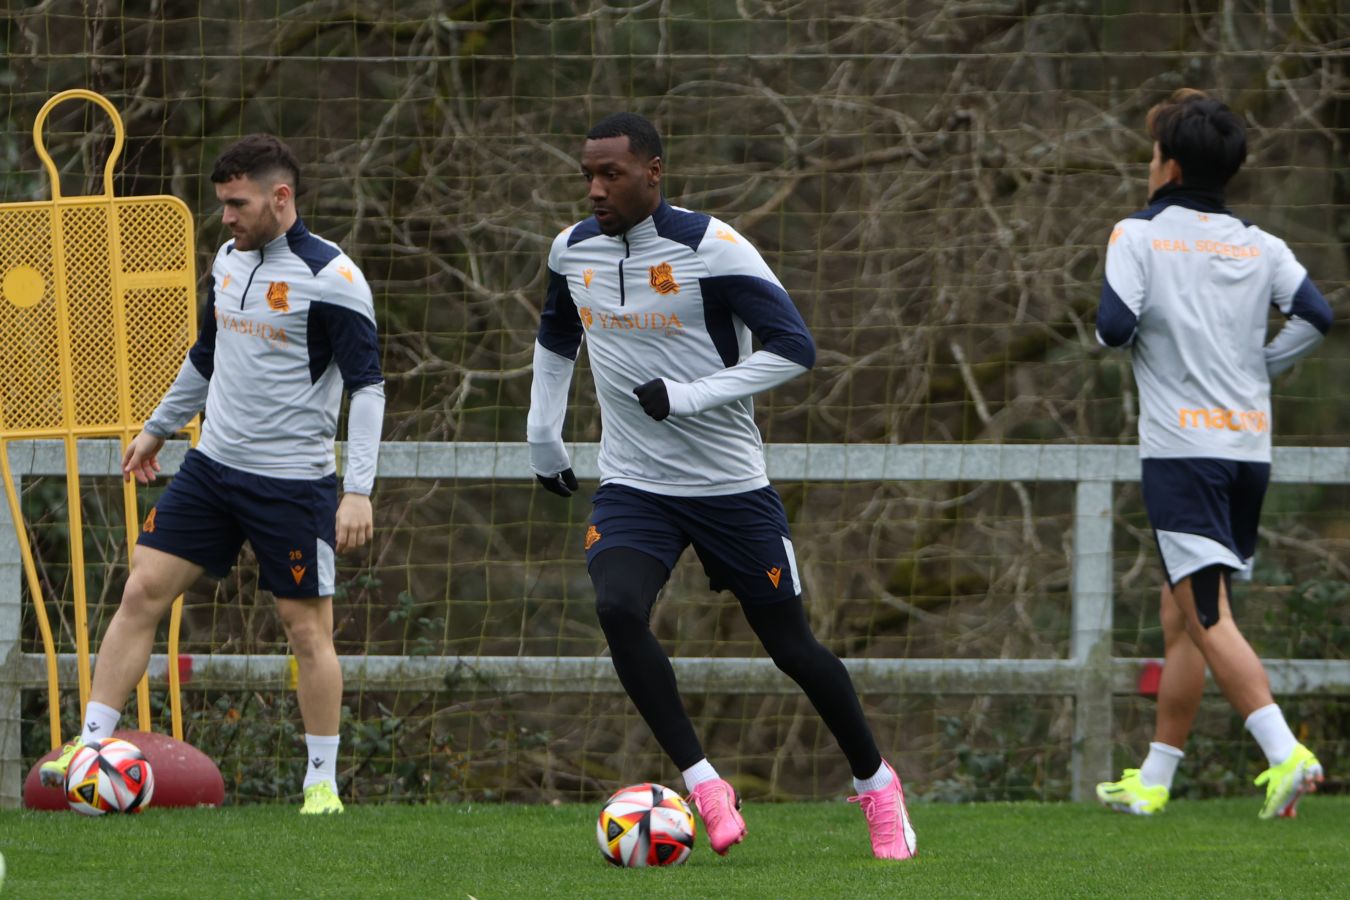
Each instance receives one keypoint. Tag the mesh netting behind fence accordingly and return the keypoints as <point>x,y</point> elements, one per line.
<point>934,183</point>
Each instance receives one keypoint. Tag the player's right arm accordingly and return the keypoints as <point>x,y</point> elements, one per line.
<point>555,354</point>
<point>1123,286</point>
<point>1307,313</point>
<point>185,398</point>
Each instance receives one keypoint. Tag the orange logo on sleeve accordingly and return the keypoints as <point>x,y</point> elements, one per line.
<point>587,275</point>
<point>591,536</point>
<point>277,292</point>
<point>775,574</point>
<point>345,273</point>
<point>149,526</point>
<point>726,234</point>
<point>226,282</point>
<point>663,279</point>
<point>1115,236</point>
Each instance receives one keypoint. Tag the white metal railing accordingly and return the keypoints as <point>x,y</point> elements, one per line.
<point>1090,673</point>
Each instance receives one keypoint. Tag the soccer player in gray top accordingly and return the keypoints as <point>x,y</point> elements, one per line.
<point>667,301</point>
<point>1188,288</point>
<point>289,325</point>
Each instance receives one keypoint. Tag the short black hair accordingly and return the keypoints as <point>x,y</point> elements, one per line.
<point>643,139</point>
<point>255,156</point>
<point>1203,135</point>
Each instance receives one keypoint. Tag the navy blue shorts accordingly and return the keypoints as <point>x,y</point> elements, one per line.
<point>1204,512</point>
<point>741,539</point>
<point>209,510</point>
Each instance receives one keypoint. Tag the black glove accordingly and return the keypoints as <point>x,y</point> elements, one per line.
<point>563,484</point>
<point>654,397</point>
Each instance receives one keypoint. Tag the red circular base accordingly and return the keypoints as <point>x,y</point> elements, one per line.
<point>184,775</point>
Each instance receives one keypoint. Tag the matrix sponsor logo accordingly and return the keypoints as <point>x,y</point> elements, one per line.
<point>666,323</point>
<point>1216,419</point>
<point>274,335</point>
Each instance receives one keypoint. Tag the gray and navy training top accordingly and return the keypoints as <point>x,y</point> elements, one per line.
<point>1189,286</point>
<point>287,327</point>
<point>678,297</point>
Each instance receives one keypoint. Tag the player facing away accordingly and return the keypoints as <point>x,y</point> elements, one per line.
<point>1188,288</point>
<point>289,324</point>
<point>668,301</point>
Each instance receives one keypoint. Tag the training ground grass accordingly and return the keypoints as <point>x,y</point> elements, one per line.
<point>1214,848</point>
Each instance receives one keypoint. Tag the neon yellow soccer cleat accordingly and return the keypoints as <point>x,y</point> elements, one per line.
<point>52,773</point>
<point>320,800</point>
<point>1131,795</point>
<point>1298,775</point>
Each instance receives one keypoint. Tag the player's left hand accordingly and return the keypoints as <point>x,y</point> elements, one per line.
<point>654,397</point>
<point>355,522</point>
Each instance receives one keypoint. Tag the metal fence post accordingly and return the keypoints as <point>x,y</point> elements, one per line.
<point>11,660</point>
<point>1090,643</point>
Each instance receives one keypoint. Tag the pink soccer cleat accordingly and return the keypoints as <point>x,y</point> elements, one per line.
<point>888,820</point>
<point>717,805</point>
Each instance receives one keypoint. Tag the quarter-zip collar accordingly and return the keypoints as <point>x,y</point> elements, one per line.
<point>649,228</point>
<point>289,237</point>
<point>1206,200</point>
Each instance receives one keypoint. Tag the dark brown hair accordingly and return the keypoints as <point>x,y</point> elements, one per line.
<point>258,156</point>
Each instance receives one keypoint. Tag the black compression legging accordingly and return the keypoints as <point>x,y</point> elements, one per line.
<point>626,584</point>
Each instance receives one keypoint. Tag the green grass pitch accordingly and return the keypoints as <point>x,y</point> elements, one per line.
<point>1214,848</point>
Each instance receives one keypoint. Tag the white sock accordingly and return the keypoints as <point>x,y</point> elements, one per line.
<point>1271,731</point>
<point>698,773</point>
<point>322,763</point>
<point>100,721</point>
<point>1160,766</point>
<point>879,780</point>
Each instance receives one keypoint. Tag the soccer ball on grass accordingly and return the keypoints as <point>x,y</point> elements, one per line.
<point>645,825</point>
<point>109,776</point>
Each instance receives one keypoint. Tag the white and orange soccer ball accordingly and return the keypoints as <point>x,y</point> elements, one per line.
<point>645,825</point>
<point>109,776</point>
